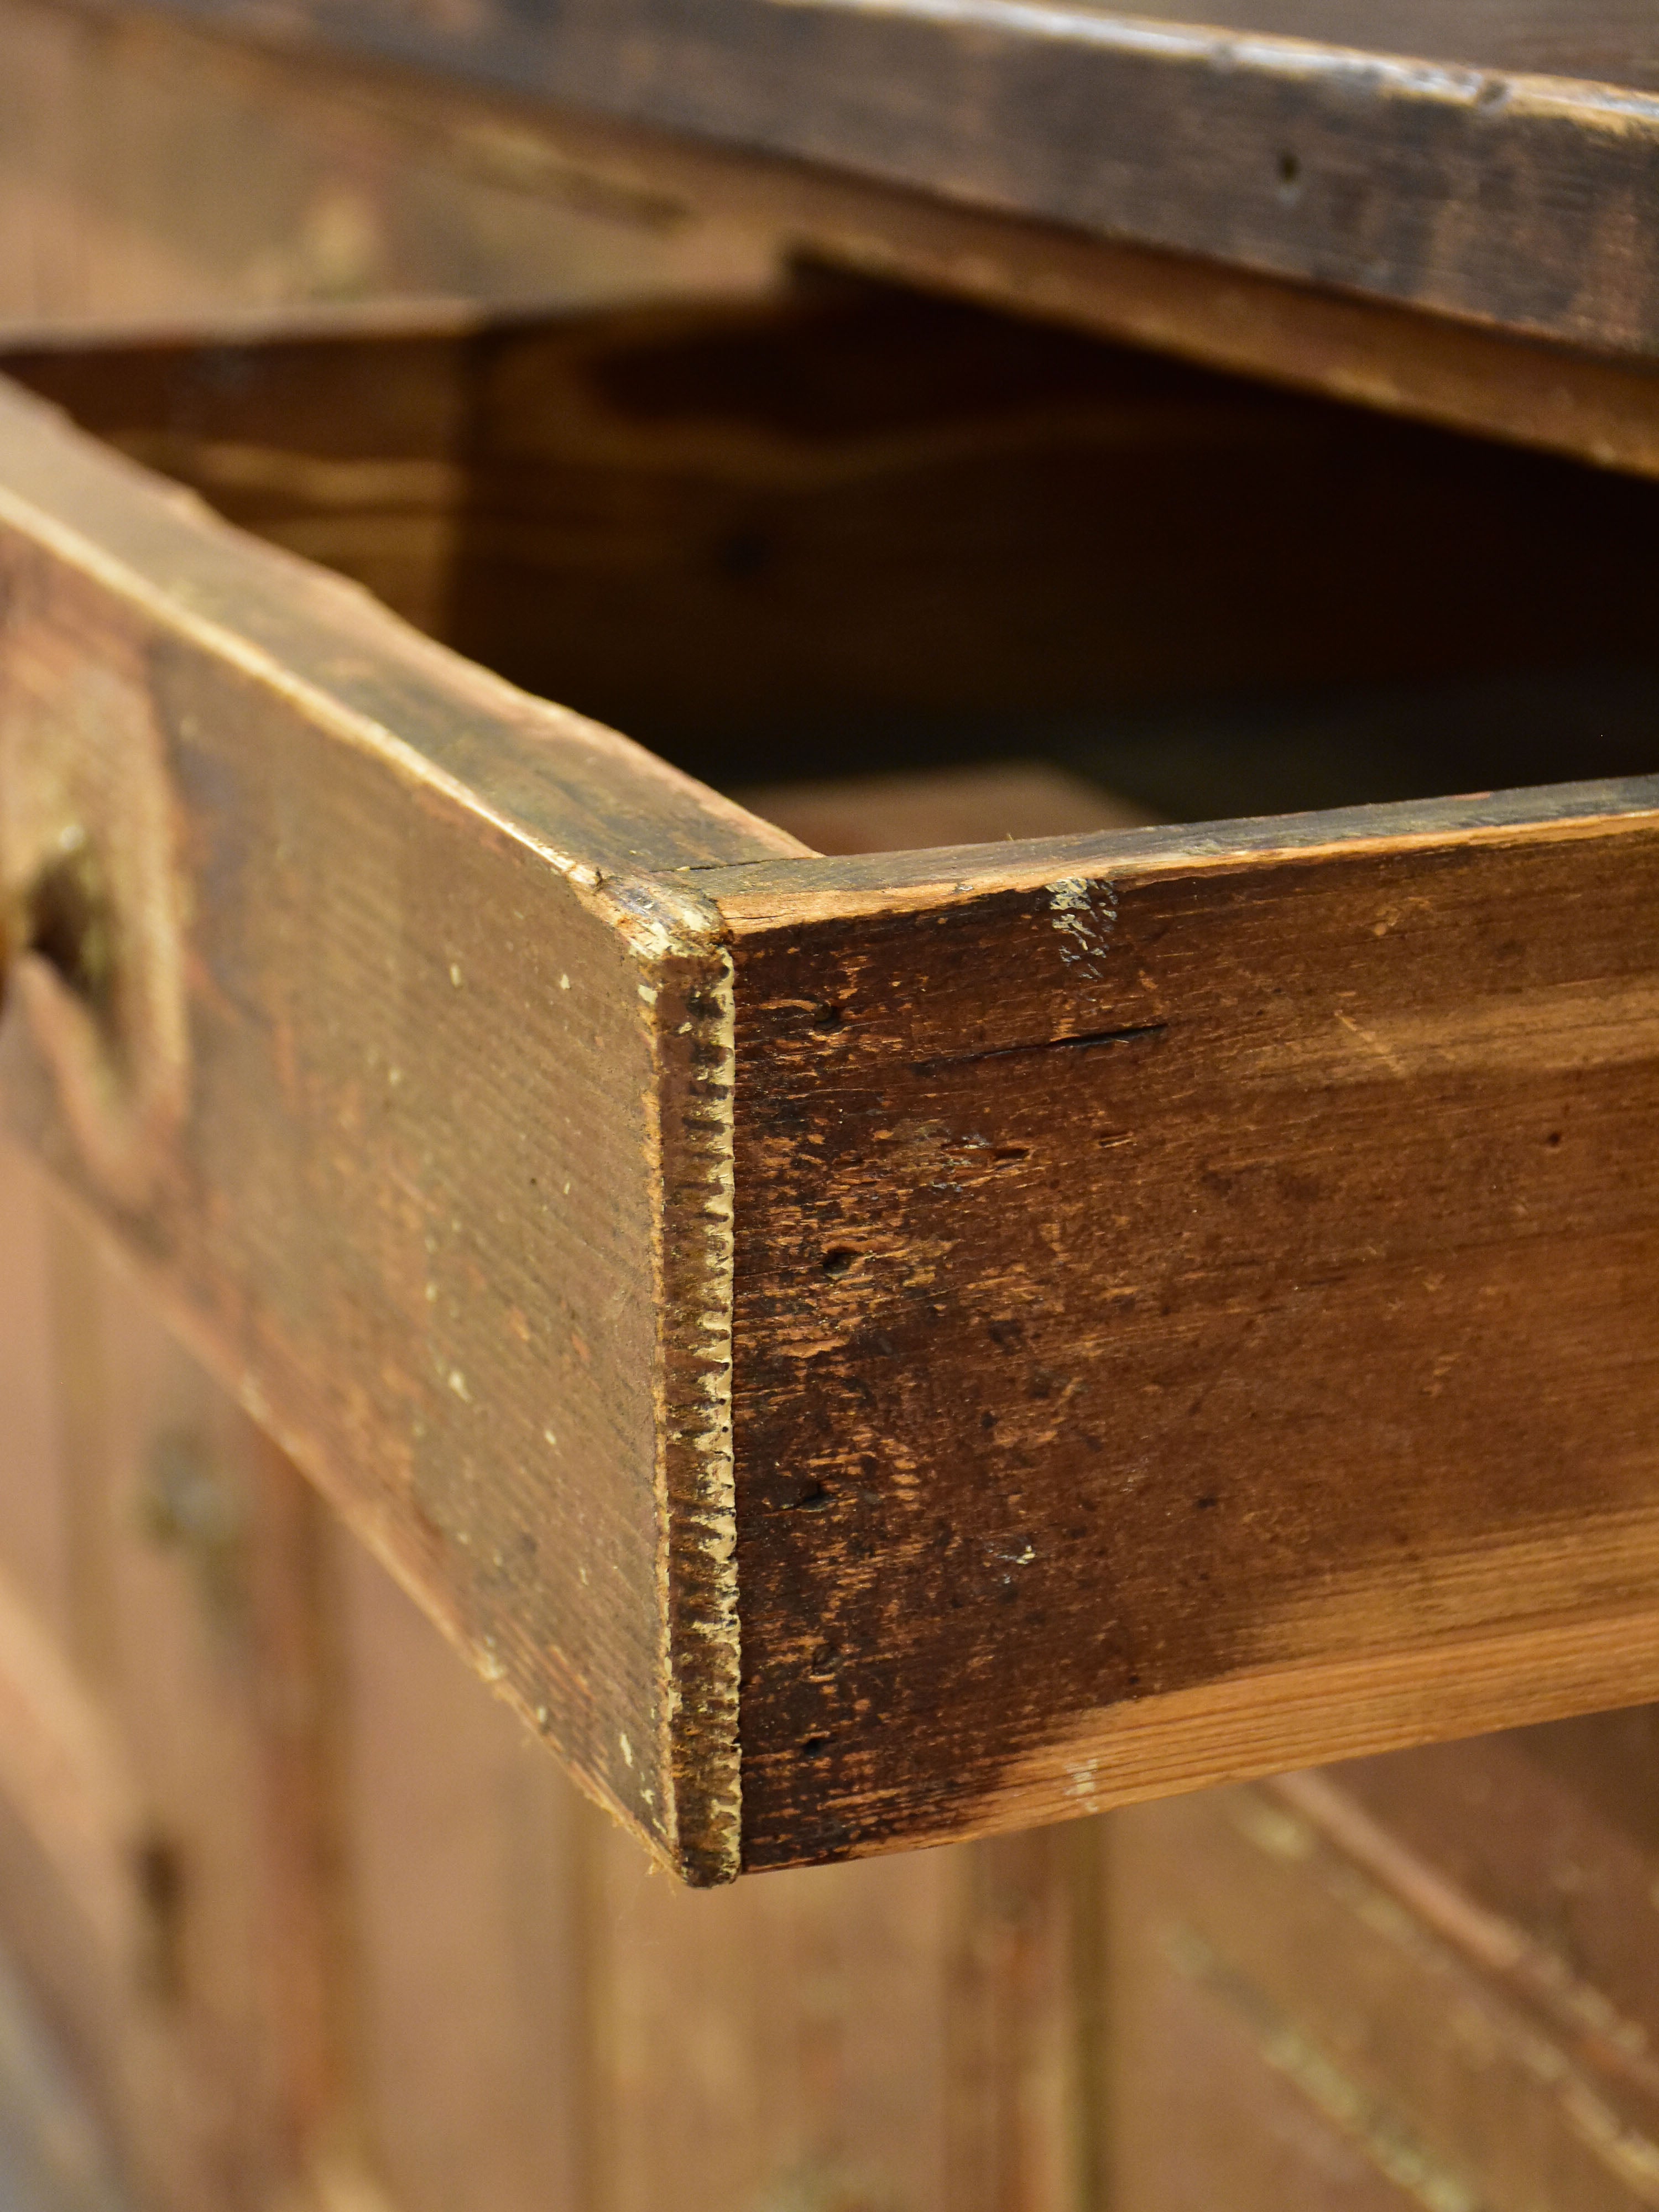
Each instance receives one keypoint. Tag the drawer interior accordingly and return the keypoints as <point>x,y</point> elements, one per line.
<point>841,529</point>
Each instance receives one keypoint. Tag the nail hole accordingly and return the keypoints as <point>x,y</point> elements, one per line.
<point>160,1879</point>
<point>812,1745</point>
<point>838,1258</point>
<point>68,927</point>
<point>1289,176</point>
<point>828,1017</point>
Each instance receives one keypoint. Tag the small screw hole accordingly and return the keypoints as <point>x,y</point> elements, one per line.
<point>158,1872</point>
<point>68,929</point>
<point>838,1260</point>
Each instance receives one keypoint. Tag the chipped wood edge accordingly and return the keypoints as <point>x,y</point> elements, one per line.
<point>796,892</point>
<point>671,950</point>
<point>692,996</point>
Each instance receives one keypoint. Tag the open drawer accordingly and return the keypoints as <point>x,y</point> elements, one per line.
<point>865,1350</point>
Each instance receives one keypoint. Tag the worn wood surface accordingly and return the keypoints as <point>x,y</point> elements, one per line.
<point>516,2013</point>
<point>333,1013</point>
<point>146,174</point>
<point>1423,1981</point>
<point>350,179</point>
<point>1496,167</point>
<point>1191,1306</point>
<point>1418,1981</point>
<point>543,2020</point>
<point>863,527</point>
<point>1140,1239</point>
<point>165,1846</point>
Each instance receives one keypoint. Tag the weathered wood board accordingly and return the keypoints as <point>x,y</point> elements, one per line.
<point>860,526</point>
<point>1191,1293</point>
<point>158,164</point>
<point>1418,1980</point>
<point>392,1067</point>
<point>1496,164</point>
<point>858,1351</point>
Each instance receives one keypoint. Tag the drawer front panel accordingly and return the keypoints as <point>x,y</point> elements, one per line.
<point>1191,1310</point>
<point>375,1078</point>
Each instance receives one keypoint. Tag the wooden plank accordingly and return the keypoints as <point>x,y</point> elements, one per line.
<point>1380,2011</point>
<point>53,2156</point>
<point>164,1846</point>
<point>145,175</point>
<point>396,1137</point>
<point>350,176</point>
<point>350,1057</point>
<point>1191,1305</point>
<point>904,2030</point>
<point>1475,169</point>
<point>991,800</point>
<point>867,527</point>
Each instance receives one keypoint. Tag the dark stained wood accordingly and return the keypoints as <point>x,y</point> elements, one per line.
<point>350,177</point>
<point>861,524</point>
<point>1187,1296</point>
<point>1504,175</point>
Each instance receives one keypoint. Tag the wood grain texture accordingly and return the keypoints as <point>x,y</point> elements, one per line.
<point>545,2021</point>
<point>1416,1981</point>
<point>1127,1244</point>
<point>1187,1295</point>
<point>147,172</point>
<point>392,1137</point>
<point>351,178</point>
<point>1456,165</point>
<point>862,526</point>
<point>164,1847</point>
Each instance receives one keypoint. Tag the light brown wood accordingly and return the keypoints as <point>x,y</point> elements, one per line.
<point>994,800</point>
<point>147,172</point>
<point>466,873</point>
<point>164,1847</point>
<point>1408,1983</point>
<point>907,2031</point>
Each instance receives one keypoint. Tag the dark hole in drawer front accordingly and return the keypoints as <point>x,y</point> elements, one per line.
<point>844,527</point>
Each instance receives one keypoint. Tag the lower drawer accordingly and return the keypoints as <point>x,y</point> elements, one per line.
<point>865,1349</point>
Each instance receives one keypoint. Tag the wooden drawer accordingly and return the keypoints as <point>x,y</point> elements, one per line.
<point>864,1349</point>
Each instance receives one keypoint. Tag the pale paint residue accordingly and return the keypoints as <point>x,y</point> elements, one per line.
<point>1084,913</point>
